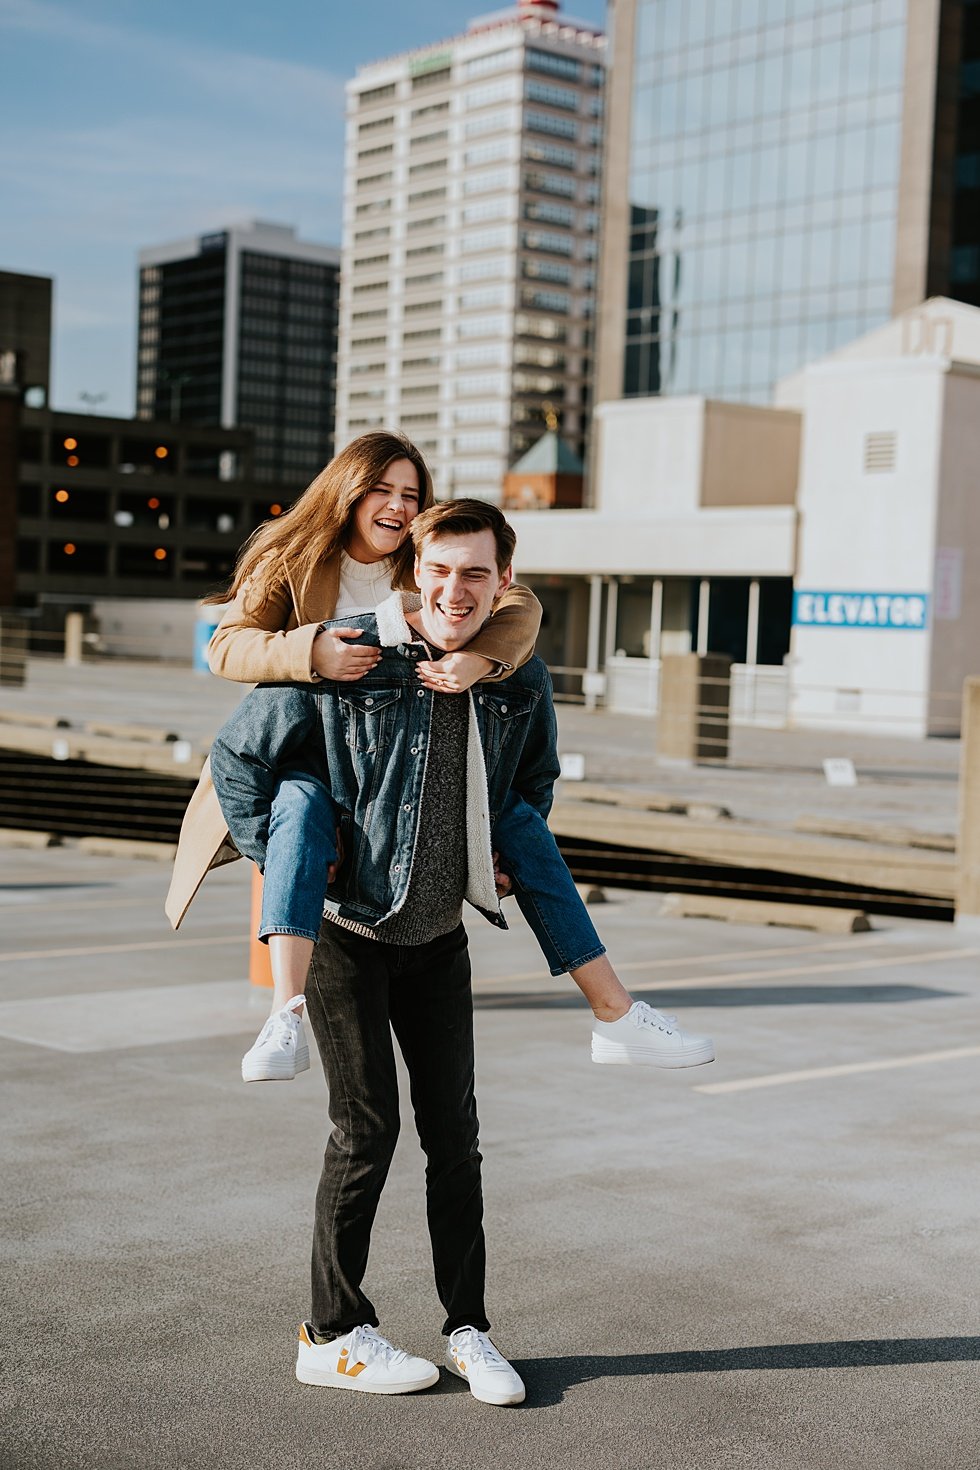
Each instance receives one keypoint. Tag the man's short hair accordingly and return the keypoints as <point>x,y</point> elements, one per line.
<point>465,518</point>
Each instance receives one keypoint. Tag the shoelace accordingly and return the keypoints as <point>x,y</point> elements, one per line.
<point>478,1348</point>
<point>366,1344</point>
<point>280,1029</point>
<point>645,1015</point>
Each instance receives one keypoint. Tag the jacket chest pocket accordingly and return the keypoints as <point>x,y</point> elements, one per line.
<point>504,715</point>
<point>369,716</point>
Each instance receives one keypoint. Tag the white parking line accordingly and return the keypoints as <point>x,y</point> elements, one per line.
<point>813,1074</point>
<point>175,944</point>
<point>863,940</point>
<point>929,956</point>
<point>693,982</point>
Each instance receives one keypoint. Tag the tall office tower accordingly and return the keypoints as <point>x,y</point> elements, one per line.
<point>781,176</point>
<point>471,216</point>
<point>239,328</point>
<point>25,335</point>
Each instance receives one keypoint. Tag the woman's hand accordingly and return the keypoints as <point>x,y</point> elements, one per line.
<point>334,657</point>
<point>501,880</point>
<point>455,673</point>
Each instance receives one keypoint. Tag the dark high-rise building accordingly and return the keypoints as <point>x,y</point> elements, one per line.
<point>239,328</point>
<point>781,177</point>
<point>25,335</point>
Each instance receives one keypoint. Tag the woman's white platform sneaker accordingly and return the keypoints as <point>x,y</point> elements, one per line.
<point>361,1360</point>
<point>280,1050</point>
<point>644,1037</point>
<point>471,1355</point>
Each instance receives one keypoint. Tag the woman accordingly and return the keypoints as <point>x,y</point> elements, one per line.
<point>340,549</point>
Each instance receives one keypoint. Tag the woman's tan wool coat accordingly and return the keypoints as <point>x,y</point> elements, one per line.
<point>274,643</point>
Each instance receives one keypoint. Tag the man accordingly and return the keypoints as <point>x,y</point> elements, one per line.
<point>417,778</point>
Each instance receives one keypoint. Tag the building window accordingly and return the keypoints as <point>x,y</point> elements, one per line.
<point>428,140</point>
<point>435,165</point>
<point>426,196</point>
<point>436,248</point>
<point>436,78</point>
<point>82,558</point>
<point>544,183</point>
<point>431,222</point>
<point>481,66</point>
<point>146,562</point>
<point>430,110</point>
<point>503,91</point>
<point>555,66</point>
<point>376,94</point>
<point>550,243</point>
<point>491,122</point>
<point>416,308</point>
<point>557,127</point>
<point>547,270</point>
<point>376,123</point>
<point>550,153</point>
<point>562,97</point>
<point>550,214</point>
<point>487,153</point>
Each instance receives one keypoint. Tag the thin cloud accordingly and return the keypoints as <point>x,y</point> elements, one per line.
<point>264,83</point>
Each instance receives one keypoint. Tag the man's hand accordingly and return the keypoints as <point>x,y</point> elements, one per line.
<point>501,879</point>
<point>335,658</point>
<point>455,673</point>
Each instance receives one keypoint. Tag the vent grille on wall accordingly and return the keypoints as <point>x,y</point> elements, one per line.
<point>880,453</point>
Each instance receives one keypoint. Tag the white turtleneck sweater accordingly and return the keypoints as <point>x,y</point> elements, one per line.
<point>362,585</point>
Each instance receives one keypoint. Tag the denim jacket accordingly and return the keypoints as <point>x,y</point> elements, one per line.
<point>369,742</point>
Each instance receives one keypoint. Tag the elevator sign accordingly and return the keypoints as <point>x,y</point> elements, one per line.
<point>900,610</point>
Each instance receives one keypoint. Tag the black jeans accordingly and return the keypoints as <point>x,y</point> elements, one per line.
<point>359,991</point>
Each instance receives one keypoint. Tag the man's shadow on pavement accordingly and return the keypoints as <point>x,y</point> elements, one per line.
<point>548,1379</point>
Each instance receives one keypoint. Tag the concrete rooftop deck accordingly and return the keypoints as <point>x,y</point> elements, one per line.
<point>769,1262</point>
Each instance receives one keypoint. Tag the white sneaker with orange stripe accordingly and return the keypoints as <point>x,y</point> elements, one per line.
<point>471,1355</point>
<point>362,1360</point>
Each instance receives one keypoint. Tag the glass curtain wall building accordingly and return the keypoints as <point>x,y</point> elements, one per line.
<point>788,167</point>
<point>764,172</point>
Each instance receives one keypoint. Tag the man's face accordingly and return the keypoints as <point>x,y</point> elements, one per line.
<point>458,579</point>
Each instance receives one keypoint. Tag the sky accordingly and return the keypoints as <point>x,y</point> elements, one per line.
<point>128,123</point>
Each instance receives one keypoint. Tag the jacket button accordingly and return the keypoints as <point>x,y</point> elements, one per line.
<point>407,807</point>
<point>414,750</point>
<point>503,708</point>
<point>369,701</point>
<point>421,693</point>
<point>397,868</point>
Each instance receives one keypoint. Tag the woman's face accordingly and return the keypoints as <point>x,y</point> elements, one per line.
<point>383,514</point>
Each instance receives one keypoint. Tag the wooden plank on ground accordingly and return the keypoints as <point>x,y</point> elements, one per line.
<point>756,911</point>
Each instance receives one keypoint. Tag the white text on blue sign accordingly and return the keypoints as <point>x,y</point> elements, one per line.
<point>900,610</point>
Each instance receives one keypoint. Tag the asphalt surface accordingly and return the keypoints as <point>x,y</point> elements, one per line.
<point>780,1274</point>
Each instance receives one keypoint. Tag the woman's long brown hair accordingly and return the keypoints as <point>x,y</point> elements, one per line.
<point>317,525</point>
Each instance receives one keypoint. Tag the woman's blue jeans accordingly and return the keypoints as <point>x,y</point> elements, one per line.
<point>303,844</point>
